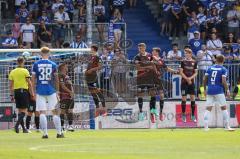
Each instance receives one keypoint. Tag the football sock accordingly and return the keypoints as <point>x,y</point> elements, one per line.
<point>152,103</point>
<point>206,118</point>
<point>36,120</point>
<point>20,120</point>
<point>70,118</point>
<point>102,99</point>
<point>193,107</point>
<point>183,107</point>
<point>62,119</point>
<point>140,104</point>
<point>57,123</point>
<point>43,123</point>
<point>95,99</point>
<point>28,121</point>
<point>225,118</point>
<point>161,103</point>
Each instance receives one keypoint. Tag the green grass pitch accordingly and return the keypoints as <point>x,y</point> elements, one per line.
<point>123,144</point>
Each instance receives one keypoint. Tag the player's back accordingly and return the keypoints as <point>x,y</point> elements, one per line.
<point>215,74</point>
<point>44,71</point>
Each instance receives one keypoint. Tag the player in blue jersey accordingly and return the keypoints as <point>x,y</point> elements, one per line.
<point>216,83</point>
<point>47,87</point>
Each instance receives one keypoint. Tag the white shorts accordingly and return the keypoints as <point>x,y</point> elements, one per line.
<point>44,103</point>
<point>218,99</point>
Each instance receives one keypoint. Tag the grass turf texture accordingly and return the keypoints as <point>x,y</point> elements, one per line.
<point>123,144</point>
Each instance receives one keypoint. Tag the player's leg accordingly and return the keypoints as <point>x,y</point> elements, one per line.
<point>70,115</point>
<point>102,99</point>
<point>41,107</point>
<point>37,120</point>
<point>62,118</point>
<point>184,100</point>
<point>140,104</point>
<point>210,102</point>
<point>52,105</point>
<point>223,104</point>
<point>192,99</point>
<point>28,119</point>
<point>152,105</point>
<point>161,103</point>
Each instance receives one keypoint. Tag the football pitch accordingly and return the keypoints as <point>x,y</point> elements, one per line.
<point>123,144</point>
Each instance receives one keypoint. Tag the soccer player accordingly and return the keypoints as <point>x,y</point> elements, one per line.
<point>91,77</point>
<point>216,83</point>
<point>66,96</point>
<point>45,71</point>
<point>146,70</point>
<point>161,66</point>
<point>19,84</point>
<point>188,71</point>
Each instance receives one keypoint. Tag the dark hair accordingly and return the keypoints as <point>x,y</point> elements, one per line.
<point>95,47</point>
<point>66,45</point>
<point>174,44</point>
<point>60,67</point>
<point>20,60</point>
<point>157,49</point>
<point>220,58</point>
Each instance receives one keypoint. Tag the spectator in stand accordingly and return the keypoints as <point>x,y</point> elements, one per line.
<point>16,28</point>
<point>99,12</point>
<point>61,18</point>
<point>56,5</point>
<point>44,35</point>
<point>46,6</point>
<point>175,54</point>
<point>33,7</point>
<point>195,43</point>
<point>216,4</point>
<point>214,45</point>
<point>10,42</point>
<point>201,17</point>
<point>81,18</point>
<point>22,12</point>
<point>78,43</point>
<point>213,20</point>
<point>44,18</point>
<point>236,48</point>
<point>193,24</point>
<point>18,3</point>
<point>132,3</point>
<point>69,8</point>
<point>233,17</point>
<point>230,39</point>
<point>176,19</point>
<point>117,26</point>
<point>166,25</point>
<point>205,59</point>
<point>228,54</point>
<point>28,34</point>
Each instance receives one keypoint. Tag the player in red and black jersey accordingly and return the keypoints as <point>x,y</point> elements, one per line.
<point>145,72</point>
<point>91,77</point>
<point>66,96</point>
<point>188,71</point>
<point>161,67</point>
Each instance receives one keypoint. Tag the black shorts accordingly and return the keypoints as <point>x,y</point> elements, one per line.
<point>21,97</point>
<point>92,85</point>
<point>143,87</point>
<point>187,89</point>
<point>32,106</point>
<point>67,104</point>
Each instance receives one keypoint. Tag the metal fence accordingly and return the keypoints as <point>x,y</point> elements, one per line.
<point>117,79</point>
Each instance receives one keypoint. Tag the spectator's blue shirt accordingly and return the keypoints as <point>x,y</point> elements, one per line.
<point>166,7</point>
<point>228,55</point>
<point>195,45</point>
<point>205,3</point>
<point>214,19</point>
<point>69,5</point>
<point>176,8</point>
<point>44,71</point>
<point>45,19</point>
<point>201,18</point>
<point>10,40</point>
<point>235,47</point>
<point>107,65</point>
<point>23,14</point>
<point>117,26</point>
<point>214,83</point>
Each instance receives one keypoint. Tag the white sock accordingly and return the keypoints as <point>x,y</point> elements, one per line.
<point>225,118</point>
<point>206,118</point>
<point>43,123</point>
<point>57,123</point>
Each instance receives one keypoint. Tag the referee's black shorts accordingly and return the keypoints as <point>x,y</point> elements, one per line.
<point>21,97</point>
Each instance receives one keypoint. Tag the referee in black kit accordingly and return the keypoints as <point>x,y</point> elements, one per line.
<point>20,87</point>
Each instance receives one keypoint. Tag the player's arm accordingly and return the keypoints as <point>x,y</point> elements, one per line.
<point>225,85</point>
<point>11,87</point>
<point>30,86</point>
<point>168,69</point>
<point>182,73</point>
<point>194,75</point>
<point>63,87</point>
<point>235,92</point>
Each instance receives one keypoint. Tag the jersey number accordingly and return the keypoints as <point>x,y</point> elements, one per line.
<point>213,76</point>
<point>45,73</point>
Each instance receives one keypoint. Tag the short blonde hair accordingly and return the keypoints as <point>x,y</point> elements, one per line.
<point>142,44</point>
<point>45,50</point>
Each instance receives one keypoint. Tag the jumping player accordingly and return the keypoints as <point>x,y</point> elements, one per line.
<point>216,83</point>
<point>66,96</point>
<point>45,71</point>
<point>146,71</point>
<point>161,66</point>
<point>94,65</point>
<point>188,71</point>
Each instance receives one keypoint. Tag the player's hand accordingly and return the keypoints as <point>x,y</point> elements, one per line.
<point>33,97</point>
<point>12,98</point>
<point>58,96</point>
